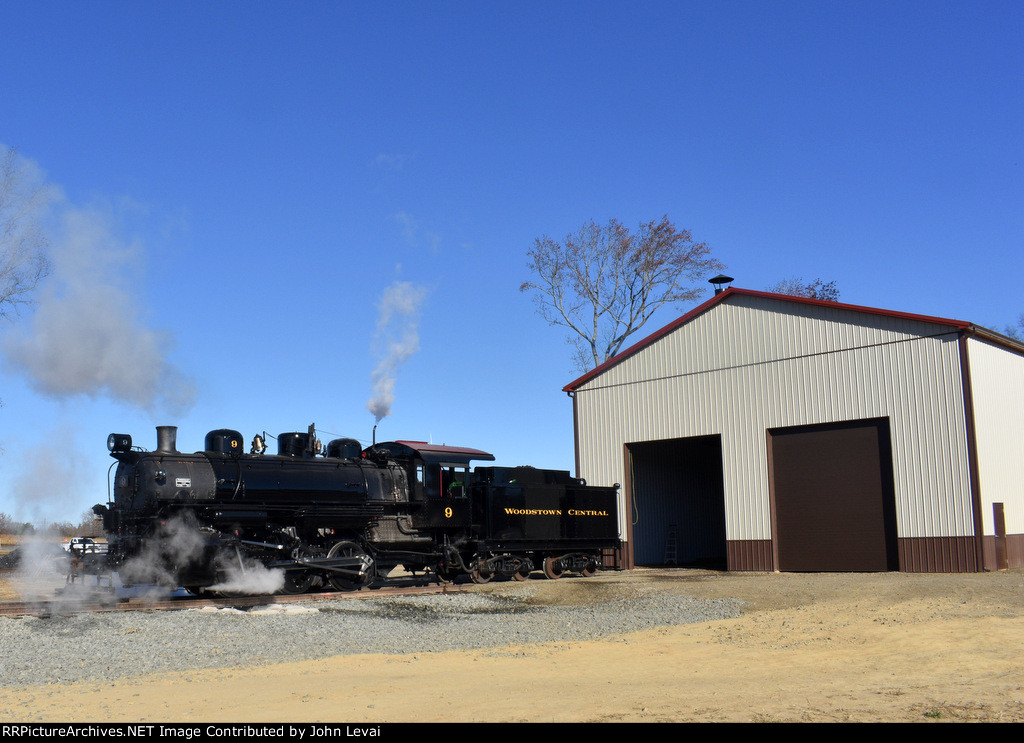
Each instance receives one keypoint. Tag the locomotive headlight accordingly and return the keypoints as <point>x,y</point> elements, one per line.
<point>118,442</point>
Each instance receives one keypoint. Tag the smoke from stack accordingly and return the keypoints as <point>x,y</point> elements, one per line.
<point>87,335</point>
<point>397,339</point>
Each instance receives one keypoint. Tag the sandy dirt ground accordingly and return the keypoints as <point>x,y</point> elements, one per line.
<point>809,647</point>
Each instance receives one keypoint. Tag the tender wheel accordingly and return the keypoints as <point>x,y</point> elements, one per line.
<point>522,574</point>
<point>480,576</point>
<point>553,568</point>
<point>297,582</point>
<point>590,569</point>
<point>341,582</point>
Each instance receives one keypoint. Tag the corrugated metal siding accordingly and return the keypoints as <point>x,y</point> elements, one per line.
<point>755,554</point>
<point>1015,550</point>
<point>938,555</point>
<point>753,363</point>
<point>997,385</point>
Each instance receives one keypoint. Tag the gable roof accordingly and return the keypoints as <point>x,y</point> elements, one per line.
<point>960,325</point>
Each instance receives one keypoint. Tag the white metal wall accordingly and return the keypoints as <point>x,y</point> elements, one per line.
<point>751,363</point>
<point>997,387</point>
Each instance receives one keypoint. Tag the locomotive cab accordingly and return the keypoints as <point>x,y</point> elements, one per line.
<point>439,478</point>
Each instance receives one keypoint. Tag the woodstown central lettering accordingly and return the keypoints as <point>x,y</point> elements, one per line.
<point>550,512</point>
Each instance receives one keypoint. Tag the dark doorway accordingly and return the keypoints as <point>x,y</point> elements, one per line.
<point>678,502</point>
<point>833,497</point>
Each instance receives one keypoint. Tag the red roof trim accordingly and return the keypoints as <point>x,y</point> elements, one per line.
<point>441,449</point>
<point>700,309</point>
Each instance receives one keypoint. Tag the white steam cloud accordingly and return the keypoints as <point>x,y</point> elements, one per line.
<point>397,339</point>
<point>249,577</point>
<point>180,545</point>
<point>176,545</point>
<point>41,569</point>
<point>87,335</point>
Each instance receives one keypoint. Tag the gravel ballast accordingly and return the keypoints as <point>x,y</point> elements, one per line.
<point>110,646</point>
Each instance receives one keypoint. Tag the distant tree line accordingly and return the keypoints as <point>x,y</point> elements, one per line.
<point>87,526</point>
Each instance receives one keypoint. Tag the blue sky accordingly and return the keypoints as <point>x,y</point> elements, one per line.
<point>240,184</point>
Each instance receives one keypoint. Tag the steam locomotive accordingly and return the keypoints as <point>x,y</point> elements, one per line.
<point>342,515</point>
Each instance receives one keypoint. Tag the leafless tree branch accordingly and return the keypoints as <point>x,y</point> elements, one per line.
<point>1016,331</point>
<point>603,282</point>
<point>816,289</point>
<point>23,259</point>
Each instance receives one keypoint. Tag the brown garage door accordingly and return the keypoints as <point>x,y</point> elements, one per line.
<point>832,497</point>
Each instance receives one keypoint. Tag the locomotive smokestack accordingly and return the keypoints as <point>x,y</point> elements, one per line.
<point>167,439</point>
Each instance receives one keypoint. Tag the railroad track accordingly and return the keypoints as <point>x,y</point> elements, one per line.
<point>91,599</point>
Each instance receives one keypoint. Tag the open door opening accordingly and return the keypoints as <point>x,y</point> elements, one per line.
<point>678,502</point>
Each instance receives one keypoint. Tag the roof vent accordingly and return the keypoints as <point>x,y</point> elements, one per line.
<point>719,280</point>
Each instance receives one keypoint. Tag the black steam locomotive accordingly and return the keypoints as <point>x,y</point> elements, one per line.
<point>343,515</point>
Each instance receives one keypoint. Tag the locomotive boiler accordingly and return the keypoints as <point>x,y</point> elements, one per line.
<point>344,515</point>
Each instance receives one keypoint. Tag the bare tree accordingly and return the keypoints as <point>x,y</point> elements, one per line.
<point>1016,331</point>
<point>604,282</point>
<point>816,289</point>
<point>89,525</point>
<point>23,259</point>
<point>63,528</point>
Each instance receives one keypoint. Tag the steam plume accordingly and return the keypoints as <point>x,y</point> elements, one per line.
<point>87,336</point>
<point>251,577</point>
<point>178,545</point>
<point>41,568</point>
<point>398,339</point>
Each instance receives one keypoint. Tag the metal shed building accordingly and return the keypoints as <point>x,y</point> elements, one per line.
<point>767,432</point>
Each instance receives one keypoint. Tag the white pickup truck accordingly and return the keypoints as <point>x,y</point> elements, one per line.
<point>84,546</point>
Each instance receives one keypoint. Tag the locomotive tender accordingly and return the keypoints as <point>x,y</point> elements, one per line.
<point>345,515</point>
